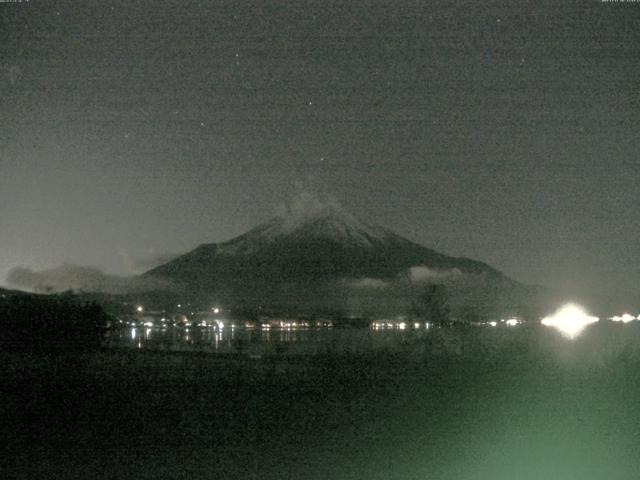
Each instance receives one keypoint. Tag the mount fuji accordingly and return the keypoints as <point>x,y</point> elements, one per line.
<point>310,249</point>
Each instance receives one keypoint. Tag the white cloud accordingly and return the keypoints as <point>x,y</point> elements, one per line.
<point>422,274</point>
<point>80,279</point>
<point>14,73</point>
<point>11,73</point>
<point>137,264</point>
<point>368,283</point>
<point>305,204</point>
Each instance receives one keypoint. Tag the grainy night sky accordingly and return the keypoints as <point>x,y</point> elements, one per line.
<point>501,131</point>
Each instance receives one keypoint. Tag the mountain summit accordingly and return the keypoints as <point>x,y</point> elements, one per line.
<point>309,244</point>
<point>309,218</point>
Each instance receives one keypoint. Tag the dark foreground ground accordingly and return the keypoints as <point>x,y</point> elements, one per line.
<point>471,404</point>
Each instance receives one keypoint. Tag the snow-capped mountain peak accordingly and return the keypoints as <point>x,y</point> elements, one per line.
<point>308,216</point>
<point>309,240</point>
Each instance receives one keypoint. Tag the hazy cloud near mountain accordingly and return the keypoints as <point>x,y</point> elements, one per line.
<point>11,74</point>
<point>80,279</point>
<point>369,283</point>
<point>422,274</point>
<point>135,265</point>
<point>415,275</point>
<point>304,204</point>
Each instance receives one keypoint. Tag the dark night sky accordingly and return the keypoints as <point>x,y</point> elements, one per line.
<point>502,131</point>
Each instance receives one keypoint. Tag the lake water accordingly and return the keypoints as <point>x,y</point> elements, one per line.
<point>259,341</point>
<point>476,403</point>
<point>413,339</point>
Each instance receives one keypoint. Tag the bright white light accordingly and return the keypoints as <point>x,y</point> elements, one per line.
<point>416,325</point>
<point>570,320</point>
<point>402,326</point>
<point>512,322</point>
<point>139,309</point>
<point>215,310</point>
<point>625,318</point>
<point>493,324</point>
<point>148,324</point>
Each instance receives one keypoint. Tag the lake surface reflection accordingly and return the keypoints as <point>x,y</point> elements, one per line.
<point>260,341</point>
<point>419,338</point>
<point>499,401</point>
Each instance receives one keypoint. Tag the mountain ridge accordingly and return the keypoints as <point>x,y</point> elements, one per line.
<point>307,245</point>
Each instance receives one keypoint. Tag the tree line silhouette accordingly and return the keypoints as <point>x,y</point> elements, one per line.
<point>50,324</point>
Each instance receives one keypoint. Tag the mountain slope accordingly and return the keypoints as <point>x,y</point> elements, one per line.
<point>308,245</point>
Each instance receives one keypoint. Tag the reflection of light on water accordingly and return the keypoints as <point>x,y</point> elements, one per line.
<point>305,337</point>
<point>570,320</point>
<point>266,334</point>
<point>624,318</point>
<point>402,325</point>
